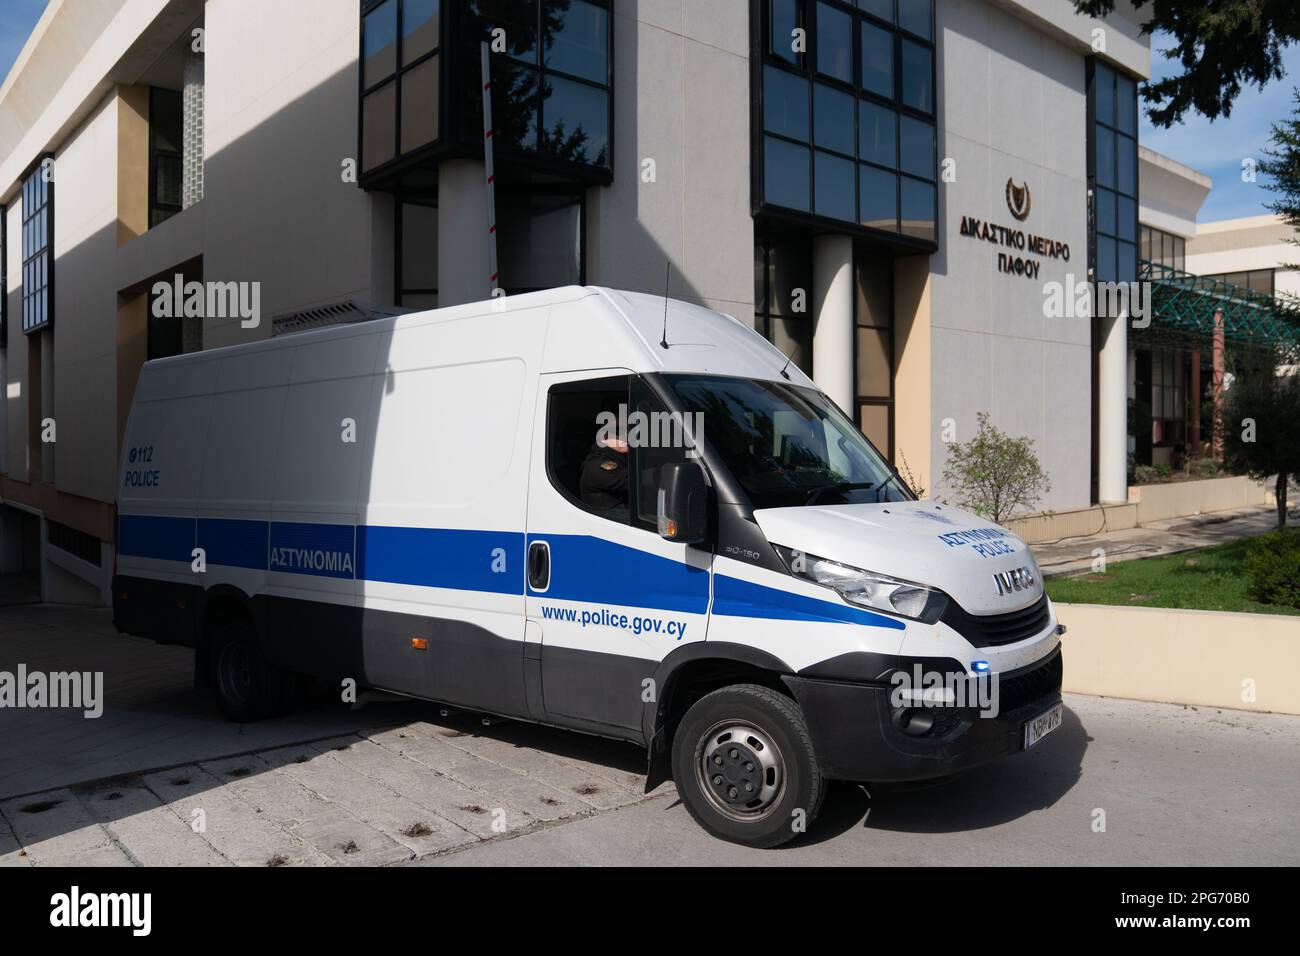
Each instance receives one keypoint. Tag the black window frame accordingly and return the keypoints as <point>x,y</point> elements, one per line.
<point>35,175</point>
<point>1096,124</point>
<point>459,93</point>
<point>400,70</point>
<point>762,58</point>
<point>155,204</point>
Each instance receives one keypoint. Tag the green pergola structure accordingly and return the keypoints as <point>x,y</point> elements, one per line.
<point>1184,306</point>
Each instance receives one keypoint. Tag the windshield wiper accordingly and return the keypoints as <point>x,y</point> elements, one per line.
<point>884,484</point>
<point>839,486</point>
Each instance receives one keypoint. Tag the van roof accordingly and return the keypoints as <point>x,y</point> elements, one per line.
<point>622,329</point>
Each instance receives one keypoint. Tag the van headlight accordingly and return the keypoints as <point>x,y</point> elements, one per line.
<point>879,592</point>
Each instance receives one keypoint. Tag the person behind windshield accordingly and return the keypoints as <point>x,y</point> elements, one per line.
<point>604,480</point>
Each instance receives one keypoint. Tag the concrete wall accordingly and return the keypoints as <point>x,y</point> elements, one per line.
<point>85,321</point>
<point>1180,498</point>
<point>1171,193</point>
<point>682,96</point>
<point>1204,658</point>
<point>281,103</point>
<point>1012,105</point>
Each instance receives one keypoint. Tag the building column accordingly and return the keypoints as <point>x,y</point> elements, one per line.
<point>463,273</point>
<point>1112,412</point>
<point>833,319</point>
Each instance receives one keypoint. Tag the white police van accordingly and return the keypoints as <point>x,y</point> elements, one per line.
<point>402,502</point>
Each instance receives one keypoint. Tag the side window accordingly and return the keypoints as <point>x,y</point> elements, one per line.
<point>587,463</point>
<point>656,438</point>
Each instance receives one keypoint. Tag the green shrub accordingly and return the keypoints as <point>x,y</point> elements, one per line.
<point>1145,475</point>
<point>1273,567</point>
<point>1202,467</point>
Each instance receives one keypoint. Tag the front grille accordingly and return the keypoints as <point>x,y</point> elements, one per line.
<point>994,630</point>
<point>1017,690</point>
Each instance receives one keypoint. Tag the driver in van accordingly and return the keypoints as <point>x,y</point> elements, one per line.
<point>604,474</point>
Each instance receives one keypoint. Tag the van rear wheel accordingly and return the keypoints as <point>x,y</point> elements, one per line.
<point>744,765</point>
<point>248,687</point>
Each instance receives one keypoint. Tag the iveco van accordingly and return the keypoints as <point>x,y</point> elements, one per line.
<point>592,509</point>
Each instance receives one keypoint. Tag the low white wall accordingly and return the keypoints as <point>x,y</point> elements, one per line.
<point>1207,658</point>
<point>1183,498</point>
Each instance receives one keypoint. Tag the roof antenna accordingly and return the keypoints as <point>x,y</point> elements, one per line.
<point>788,359</point>
<point>667,273</point>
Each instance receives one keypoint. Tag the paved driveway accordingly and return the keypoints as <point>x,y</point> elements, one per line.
<point>162,779</point>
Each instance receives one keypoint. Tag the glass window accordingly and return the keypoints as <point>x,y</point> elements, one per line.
<point>577,121</point>
<point>833,119</point>
<point>878,8</point>
<point>576,39</point>
<point>785,103</point>
<point>834,43</point>
<point>1105,259</point>
<point>36,250</point>
<point>514,106</point>
<point>1125,103</point>
<point>785,174</point>
<point>875,364</point>
<point>916,16</point>
<point>918,75</point>
<point>1106,211</point>
<point>874,422</point>
<point>379,126</point>
<point>379,43</point>
<point>833,186</point>
<point>791,274</point>
<point>877,199</point>
<point>785,446</point>
<point>518,18</point>
<point>918,205</point>
<point>1104,86</point>
<point>419,249</point>
<point>877,60</point>
<point>586,463</point>
<point>1126,150</point>
<point>419,29</point>
<point>785,20</point>
<point>874,287</point>
<point>916,147</point>
<point>1126,261</point>
<point>420,105</point>
<point>876,139</point>
<point>1105,157</point>
<point>1127,218</point>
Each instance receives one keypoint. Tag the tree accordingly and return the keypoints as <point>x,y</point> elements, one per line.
<point>1281,163</point>
<point>993,474</point>
<point>1261,419</point>
<point>1220,46</point>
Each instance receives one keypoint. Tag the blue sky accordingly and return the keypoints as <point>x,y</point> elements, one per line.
<point>1218,148</point>
<point>1215,149</point>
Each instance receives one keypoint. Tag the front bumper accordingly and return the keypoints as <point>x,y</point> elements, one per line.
<point>855,736</point>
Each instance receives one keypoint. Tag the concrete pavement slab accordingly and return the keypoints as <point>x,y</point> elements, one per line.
<point>56,829</point>
<point>151,830</point>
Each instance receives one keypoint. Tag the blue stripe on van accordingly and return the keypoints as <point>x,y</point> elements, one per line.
<point>235,542</point>
<point>160,538</point>
<point>584,568</point>
<point>442,558</point>
<point>733,597</point>
<point>321,550</point>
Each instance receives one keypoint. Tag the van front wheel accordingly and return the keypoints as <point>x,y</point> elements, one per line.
<point>744,765</point>
<point>248,687</point>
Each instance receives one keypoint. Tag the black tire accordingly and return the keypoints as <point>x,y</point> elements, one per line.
<point>248,687</point>
<point>764,787</point>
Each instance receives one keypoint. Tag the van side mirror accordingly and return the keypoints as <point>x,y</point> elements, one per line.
<point>684,500</point>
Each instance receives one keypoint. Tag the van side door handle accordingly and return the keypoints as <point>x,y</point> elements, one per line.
<point>539,565</point>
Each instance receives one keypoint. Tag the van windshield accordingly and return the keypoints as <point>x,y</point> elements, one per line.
<point>786,445</point>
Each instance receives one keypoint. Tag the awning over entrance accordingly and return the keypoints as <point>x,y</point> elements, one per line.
<point>1183,308</point>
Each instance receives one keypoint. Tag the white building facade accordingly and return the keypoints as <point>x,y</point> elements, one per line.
<point>888,189</point>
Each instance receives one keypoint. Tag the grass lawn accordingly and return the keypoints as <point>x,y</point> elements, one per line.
<point>1207,580</point>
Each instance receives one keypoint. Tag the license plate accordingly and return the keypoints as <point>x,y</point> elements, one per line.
<point>1039,727</point>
